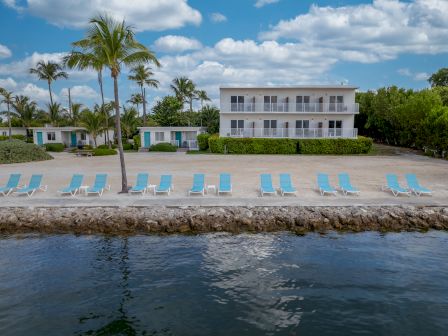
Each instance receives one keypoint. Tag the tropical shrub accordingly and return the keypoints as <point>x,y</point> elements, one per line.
<point>103,151</point>
<point>163,147</point>
<point>54,147</point>
<point>127,146</point>
<point>107,147</point>
<point>361,145</point>
<point>16,151</point>
<point>14,136</point>
<point>137,141</point>
<point>203,141</point>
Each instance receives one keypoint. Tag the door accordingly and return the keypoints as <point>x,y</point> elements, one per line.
<point>73,139</point>
<point>147,139</point>
<point>40,139</point>
<point>179,138</point>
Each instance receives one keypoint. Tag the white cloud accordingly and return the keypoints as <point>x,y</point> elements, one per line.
<point>370,32</point>
<point>418,76</point>
<point>175,43</point>
<point>421,76</point>
<point>218,17</point>
<point>142,14</point>
<point>8,83</point>
<point>79,92</point>
<point>262,3</point>
<point>36,93</point>
<point>4,51</point>
<point>404,72</point>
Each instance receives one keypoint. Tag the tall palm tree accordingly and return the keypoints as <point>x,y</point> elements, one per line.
<point>54,111</point>
<point>106,110</point>
<point>49,71</point>
<point>184,90</point>
<point>76,111</point>
<point>136,99</point>
<point>115,45</point>
<point>25,110</point>
<point>202,96</point>
<point>93,122</point>
<point>129,121</point>
<point>142,76</point>
<point>8,99</point>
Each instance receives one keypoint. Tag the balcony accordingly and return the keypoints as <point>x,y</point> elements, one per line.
<point>337,108</point>
<point>189,144</point>
<point>290,133</point>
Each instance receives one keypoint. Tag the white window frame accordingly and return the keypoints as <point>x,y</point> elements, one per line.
<point>159,136</point>
<point>51,136</point>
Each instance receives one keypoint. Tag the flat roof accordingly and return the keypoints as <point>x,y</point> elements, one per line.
<point>54,128</point>
<point>193,128</point>
<point>345,87</point>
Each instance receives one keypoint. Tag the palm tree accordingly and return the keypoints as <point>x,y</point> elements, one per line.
<point>76,111</point>
<point>25,110</point>
<point>8,99</point>
<point>54,113</point>
<point>49,71</point>
<point>129,121</point>
<point>115,45</point>
<point>142,76</point>
<point>184,90</point>
<point>136,99</point>
<point>202,96</point>
<point>93,122</point>
<point>106,111</point>
<point>210,119</point>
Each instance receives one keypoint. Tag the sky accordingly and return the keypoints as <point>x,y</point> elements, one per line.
<point>216,43</point>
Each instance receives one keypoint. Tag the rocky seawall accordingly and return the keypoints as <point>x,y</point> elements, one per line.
<point>168,220</point>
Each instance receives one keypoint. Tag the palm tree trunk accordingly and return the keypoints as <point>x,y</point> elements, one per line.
<point>144,105</point>
<point>100,82</point>
<point>191,105</point>
<point>9,123</point>
<point>49,90</point>
<point>124,180</point>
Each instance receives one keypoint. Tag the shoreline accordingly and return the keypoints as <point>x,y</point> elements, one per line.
<point>132,220</point>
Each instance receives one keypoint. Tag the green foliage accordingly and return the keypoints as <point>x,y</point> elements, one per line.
<point>209,117</point>
<point>361,145</point>
<point>289,146</point>
<point>203,141</point>
<point>440,78</point>
<point>163,147</point>
<point>14,136</point>
<point>137,142</point>
<point>107,147</point>
<point>127,146</point>
<point>103,151</point>
<point>54,147</point>
<point>167,112</point>
<point>16,151</point>
<point>435,129</point>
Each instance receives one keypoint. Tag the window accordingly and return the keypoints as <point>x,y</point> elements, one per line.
<point>51,136</point>
<point>335,127</point>
<point>160,136</point>
<point>336,103</point>
<point>270,127</point>
<point>303,104</point>
<point>237,103</point>
<point>83,136</point>
<point>270,103</point>
<point>302,124</point>
<point>237,127</point>
<point>3,133</point>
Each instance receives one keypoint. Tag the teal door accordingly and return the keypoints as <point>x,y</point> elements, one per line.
<point>40,140</point>
<point>147,139</point>
<point>179,138</point>
<point>73,139</point>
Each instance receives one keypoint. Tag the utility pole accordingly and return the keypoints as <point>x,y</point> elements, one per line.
<point>70,104</point>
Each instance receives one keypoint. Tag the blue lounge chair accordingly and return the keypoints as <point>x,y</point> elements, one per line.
<point>35,184</point>
<point>165,185</point>
<point>394,186</point>
<point>225,185</point>
<point>415,186</point>
<point>99,185</point>
<point>11,185</point>
<point>323,184</point>
<point>74,186</point>
<point>286,186</point>
<point>198,185</point>
<point>141,185</point>
<point>345,185</point>
<point>266,185</point>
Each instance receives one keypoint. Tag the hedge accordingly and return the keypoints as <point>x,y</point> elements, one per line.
<point>14,136</point>
<point>103,151</point>
<point>361,145</point>
<point>54,147</point>
<point>16,151</point>
<point>163,147</point>
<point>137,141</point>
<point>203,141</point>
<point>127,146</point>
<point>113,146</point>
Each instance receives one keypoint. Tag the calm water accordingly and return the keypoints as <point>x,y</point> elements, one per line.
<point>219,284</point>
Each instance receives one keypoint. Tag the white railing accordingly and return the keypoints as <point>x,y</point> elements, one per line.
<point>175,143</point>
<point>291,107</point>
<point>299,133</point>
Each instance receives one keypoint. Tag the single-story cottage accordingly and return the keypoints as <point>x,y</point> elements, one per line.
<point>4,131</point>
<point>179,136</point>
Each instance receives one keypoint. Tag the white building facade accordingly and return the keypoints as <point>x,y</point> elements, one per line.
<point>4,131</point>
<point>288,112</point>
<point>179,136</point>
<point>69,136</point>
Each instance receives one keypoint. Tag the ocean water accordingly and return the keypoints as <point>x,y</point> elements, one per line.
<point>222,284</point>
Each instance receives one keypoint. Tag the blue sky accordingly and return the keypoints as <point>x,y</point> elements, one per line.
<point>235,42</point>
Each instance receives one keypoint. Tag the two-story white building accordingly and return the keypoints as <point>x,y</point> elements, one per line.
<point>323,111</point>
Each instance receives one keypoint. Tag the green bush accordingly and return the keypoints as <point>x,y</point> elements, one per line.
<point>113,146</point>
<point>203,141</point>
<point>16,151</point>
<point>361,145</point>
<point>163,147</point>
<point>137,141</point>
<point>54,147</point>
<point>127,146</point>
<point>14,136</point>
<point>103,151</point>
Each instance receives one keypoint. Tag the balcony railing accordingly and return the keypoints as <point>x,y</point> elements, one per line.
<point>299,133</point>
<point>291,107</point>
<point>190,144</point>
